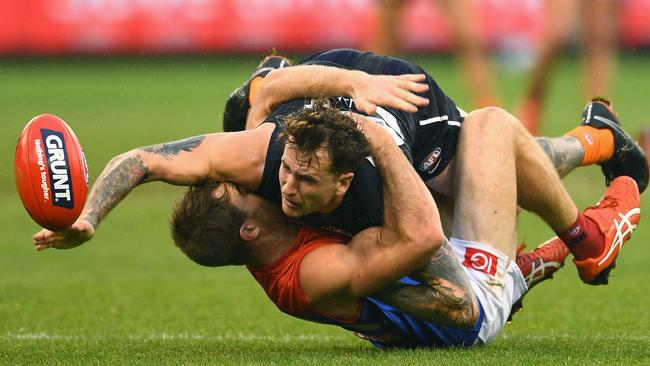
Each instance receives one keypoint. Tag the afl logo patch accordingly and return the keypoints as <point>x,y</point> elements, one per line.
<point>431,162</point>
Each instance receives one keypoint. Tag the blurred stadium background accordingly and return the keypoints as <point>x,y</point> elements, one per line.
<point>128,73</point>
<point>39,27</point>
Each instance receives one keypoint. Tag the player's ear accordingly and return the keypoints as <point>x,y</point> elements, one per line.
<point>249,231</point>
<point>345,180</point>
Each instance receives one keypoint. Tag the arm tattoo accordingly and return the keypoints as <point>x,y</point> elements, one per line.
<point>125,172</point>
<point>171,149</point>
<point>565,152</point>
<point>118,179</point>
<point>444,297</point>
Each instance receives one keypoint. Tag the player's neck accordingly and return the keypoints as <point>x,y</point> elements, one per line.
<point>332,205</point>
<point>271,245</point>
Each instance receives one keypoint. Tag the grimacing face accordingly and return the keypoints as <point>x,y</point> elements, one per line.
<point>308,188</point>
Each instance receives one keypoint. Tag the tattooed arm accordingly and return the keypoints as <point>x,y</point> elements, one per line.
<point>184,162</point>
<point>444,295</point>
<point>126,171</point>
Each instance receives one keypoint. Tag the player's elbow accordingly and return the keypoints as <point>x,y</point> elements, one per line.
<point>427,239</point>
<point>269,83</point>
<point>130,163</point>
<point>432,239</point>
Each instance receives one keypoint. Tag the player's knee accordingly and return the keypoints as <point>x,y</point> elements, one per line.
<point>491,121</point>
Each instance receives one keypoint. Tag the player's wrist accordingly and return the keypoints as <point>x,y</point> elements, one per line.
<point>353,81</point>
<point>380,140</point>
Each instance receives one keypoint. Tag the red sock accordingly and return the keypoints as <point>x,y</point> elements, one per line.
<point>583,238</point>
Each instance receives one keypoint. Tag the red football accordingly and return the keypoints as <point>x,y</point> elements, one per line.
<point>51,172</point>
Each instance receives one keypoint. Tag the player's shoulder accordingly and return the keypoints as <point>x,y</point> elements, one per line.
<point>322,270</point>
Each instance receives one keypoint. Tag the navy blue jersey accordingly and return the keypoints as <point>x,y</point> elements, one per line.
<point>428,138</point>
<point>430,135</point>
<point>362,206</point>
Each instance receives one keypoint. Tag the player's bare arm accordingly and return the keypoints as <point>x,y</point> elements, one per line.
<point>444,296</point>
<point>125,172</point>
<point>368,91</point>
<point>183,162</point>
<point>378,256</point>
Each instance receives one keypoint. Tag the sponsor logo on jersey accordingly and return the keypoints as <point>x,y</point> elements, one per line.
<point>481,260</point>
<point>431,162</point>
<point>58,168</point>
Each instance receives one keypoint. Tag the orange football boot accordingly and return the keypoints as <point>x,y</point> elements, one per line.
<point>617,215</point>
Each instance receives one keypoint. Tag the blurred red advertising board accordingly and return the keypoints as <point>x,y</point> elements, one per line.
<point>189,26</point>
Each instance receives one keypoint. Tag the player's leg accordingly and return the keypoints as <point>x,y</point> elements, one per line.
<point>471,50</point>
<point>540,191</point>
<point>600,139</point>
<point>498,165</point>
<point>539,188</point>
<point>599,28</point>
<point>606,143</point>
<point>485,176</point>
<point>595,236</point>
<point>566,152</point>
<point>559,19</point>
<point>387,35</point>
<point>484,228</point>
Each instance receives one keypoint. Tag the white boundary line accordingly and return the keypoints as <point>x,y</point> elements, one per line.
<point>285,338</point>
<point>176,336</point>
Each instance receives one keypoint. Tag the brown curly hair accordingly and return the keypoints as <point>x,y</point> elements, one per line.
<point>321,126</point>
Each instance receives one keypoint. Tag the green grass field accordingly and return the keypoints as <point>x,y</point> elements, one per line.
<point>130,297</point>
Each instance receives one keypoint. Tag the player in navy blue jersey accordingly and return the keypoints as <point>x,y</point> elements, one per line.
<point>456,293</point>
<point>428,136</point>
<point>268,163</point>
<point>317,173</point>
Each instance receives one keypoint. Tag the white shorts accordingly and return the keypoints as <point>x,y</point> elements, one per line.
<point>496,281</point>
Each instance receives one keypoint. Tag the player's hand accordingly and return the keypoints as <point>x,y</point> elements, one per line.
<point>80,232</point>
<point>393,91</point>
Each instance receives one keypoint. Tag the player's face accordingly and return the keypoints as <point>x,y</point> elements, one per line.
<point>308,188</point>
